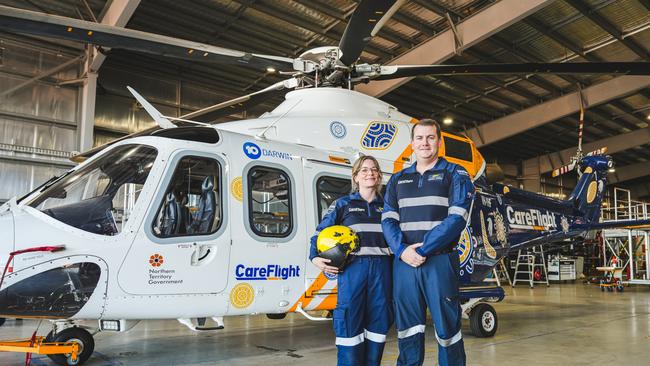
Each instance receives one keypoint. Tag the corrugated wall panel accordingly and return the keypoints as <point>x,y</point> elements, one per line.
<point>40,115</point>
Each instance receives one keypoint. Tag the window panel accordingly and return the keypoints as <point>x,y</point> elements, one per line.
<point>269,202</point>
<point>99,197</point>
<point>328,190</point>
<point>192,202</point>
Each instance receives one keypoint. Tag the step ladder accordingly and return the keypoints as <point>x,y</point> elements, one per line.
<point>527,262</point>
<point>499,274</point>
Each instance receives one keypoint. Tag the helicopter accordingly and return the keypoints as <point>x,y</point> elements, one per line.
<point>196,221</point>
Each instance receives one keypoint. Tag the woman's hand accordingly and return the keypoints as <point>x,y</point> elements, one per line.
<point>321,263</point>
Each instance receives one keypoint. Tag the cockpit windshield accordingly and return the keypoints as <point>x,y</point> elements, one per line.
<point>100,197</point>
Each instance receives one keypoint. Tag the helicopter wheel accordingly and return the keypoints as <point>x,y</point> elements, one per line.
<point>279,316</point>
<point>78,335</point>
<point>483,321</point>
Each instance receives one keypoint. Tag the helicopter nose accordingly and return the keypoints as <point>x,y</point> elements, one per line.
<point>52,293</point>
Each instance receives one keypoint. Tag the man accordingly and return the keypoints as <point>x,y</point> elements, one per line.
<point>425,209</point>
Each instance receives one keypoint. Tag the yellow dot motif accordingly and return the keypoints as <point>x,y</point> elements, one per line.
<point>237,189</point>
<point>591,191</point>
<point>242,295</point>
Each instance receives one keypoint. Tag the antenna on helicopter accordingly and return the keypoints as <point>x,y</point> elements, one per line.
<point>161,120</point>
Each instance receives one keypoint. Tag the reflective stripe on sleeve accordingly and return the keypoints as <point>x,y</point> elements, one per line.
<point>455,210</point>
<point>390,215</point>
<point>350,342</point>
<point>448,342</point>
<point>418,225</point>
<point>410,331</point>
<point>367,228</point>
<point>375,337</point>
<point>423,201</point>
<point>373,251</point>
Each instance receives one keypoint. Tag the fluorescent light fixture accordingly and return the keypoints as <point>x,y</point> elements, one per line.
<point>270,69</point>
<point>448,120</point>
<point>611,170</point>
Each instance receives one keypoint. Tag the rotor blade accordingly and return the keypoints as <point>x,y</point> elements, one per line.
<point>41,24</point>
<point>563,170</point>
<point>358,31</point>
<point>569,167</point>
<point>599,151</point>
<point>573,68</point>
<point>235,105</point>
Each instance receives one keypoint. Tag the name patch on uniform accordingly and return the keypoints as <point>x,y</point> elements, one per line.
<point>463,172</point>
<point>356,209</point>
<point>435,177</point>
<point>405,181</point>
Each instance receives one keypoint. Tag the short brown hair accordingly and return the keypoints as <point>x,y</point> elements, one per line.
<point>356,168</point>
<point>426,122</point>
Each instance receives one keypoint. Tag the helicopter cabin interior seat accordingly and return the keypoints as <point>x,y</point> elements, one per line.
<point>170,220</point>
<point>207,205</point>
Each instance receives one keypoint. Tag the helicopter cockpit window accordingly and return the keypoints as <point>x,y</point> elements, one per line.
<point>192,202</point>
<point>269,202</point>
<point>101,196</point>
<point>458,149</point>
<point>328,190</point>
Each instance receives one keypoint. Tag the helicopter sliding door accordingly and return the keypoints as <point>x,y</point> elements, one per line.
<point>268,233</point>
<point>325,183</point>
<point>183,247</point>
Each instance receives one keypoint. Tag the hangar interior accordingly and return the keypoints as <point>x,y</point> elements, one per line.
<point>59,98</point>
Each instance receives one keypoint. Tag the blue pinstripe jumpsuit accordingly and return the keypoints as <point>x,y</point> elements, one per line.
<point>364,310</point>
<point>429,208</point>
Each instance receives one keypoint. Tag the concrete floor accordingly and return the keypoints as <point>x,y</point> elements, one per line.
<point>564,324</point>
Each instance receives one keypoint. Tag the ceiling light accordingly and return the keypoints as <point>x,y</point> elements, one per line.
<point>448,121</point>
<point>611,170</point>
<point>648,117</point>
<point>270,69</point>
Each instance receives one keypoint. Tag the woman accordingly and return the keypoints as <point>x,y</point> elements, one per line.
<point>364,311</point>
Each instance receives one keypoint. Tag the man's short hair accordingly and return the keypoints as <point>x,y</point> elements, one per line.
<point>426,122</point>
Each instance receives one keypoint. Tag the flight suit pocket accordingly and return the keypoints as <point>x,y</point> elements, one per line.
<point>451,286</point>
<point>339,321</point>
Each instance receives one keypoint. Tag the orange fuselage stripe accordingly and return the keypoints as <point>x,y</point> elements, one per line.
<point>329,303</point>
<point>306,298</point>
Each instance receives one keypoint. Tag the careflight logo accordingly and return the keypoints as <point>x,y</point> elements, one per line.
<point>252,150</point>
<point>266,273</point>
<point>531,219</point>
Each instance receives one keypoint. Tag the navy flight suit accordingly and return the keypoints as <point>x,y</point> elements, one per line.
<point>364,311</point>
<point>431,208</point>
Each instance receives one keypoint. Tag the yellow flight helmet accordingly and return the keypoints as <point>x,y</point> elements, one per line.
<point>336,243</point>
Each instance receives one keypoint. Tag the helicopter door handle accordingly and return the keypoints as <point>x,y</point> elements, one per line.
<point>203,254</point>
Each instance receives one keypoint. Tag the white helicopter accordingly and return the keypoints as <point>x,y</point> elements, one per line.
<point>195,222</point>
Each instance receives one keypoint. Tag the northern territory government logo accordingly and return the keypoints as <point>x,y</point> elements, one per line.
<point>266,273</point>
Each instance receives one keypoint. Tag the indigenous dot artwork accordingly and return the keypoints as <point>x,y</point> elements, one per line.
<point>242,295</point>
<point>237,189</point>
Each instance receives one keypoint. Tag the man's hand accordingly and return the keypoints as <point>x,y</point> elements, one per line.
<point>411,257</point>
<point>321,263</point>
